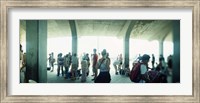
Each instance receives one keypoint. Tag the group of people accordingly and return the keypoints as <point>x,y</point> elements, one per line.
<point>103,64</point>
<point>162,68</point>
<point>69,64</point>
<point>64,63</point>
<point>67,61</point>
<point>162,65</point>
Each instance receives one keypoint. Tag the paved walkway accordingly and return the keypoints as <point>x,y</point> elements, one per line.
<point>52,78</point>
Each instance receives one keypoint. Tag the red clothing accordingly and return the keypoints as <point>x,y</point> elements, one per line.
<point>95,58</point>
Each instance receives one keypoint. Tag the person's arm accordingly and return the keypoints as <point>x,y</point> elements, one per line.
<point>98,64</point>
<point>109,61</point>
<point>107,64</point>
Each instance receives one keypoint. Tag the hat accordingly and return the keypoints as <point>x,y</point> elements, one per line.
<point>145,57</point>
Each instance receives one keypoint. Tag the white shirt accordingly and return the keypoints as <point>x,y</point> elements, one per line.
<point>84,64</point>
<point>143,70</point>
<point>116,62</point>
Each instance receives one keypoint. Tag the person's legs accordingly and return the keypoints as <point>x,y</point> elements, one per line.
<point>93,71</point>
<point>152,65</point>
<point>73,72</point>
<point>22,76</point>
<point>119,67</point>
<point>52,65</point>
<point>96,72</point>
<point>66,72</point>
<point>76,72</point>
<point>62,71</point>
<point>83,76</point>
<point>49,64</point>
<point>115,69</point>
<point>87,71</point>
<point>58,70</point>
<point>108,77</point>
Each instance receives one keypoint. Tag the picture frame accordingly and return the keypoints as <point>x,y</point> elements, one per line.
<point>7,4</point>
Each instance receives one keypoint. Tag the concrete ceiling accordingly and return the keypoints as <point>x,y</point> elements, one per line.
<point>151,30</point>
<point>142,29</point>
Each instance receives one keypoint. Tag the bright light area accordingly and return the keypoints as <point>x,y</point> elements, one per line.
<point>113,45</point>
<point>168,49</point>
<point>59,45</point>
<point>143,47</point>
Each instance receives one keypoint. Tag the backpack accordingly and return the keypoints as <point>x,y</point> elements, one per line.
<point>135,75</point>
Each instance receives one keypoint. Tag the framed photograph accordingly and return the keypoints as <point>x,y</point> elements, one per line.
<point>34,30</point>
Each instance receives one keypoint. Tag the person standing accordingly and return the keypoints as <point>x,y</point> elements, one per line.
<point>74,66</point>
<point>120,58</point>
<point>66,65</point>
<point>87,58</point>
<point>84,67</point>
<point>60,61</point>
<point>109,61</point>
<point>94,63</point>
<point>115,64</point>
<point>51,61</point>
<point>103,65</point>
<point>153,61</point>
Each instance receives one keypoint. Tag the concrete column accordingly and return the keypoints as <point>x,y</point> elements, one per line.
<point>36,50</point>
<point>176,55</point>
<point>74,36</point>
<point>126,42</point>
<point>161,47</point>
<point>126,51</point>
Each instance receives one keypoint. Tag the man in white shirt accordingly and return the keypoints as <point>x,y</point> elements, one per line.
<point>74,66</point>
